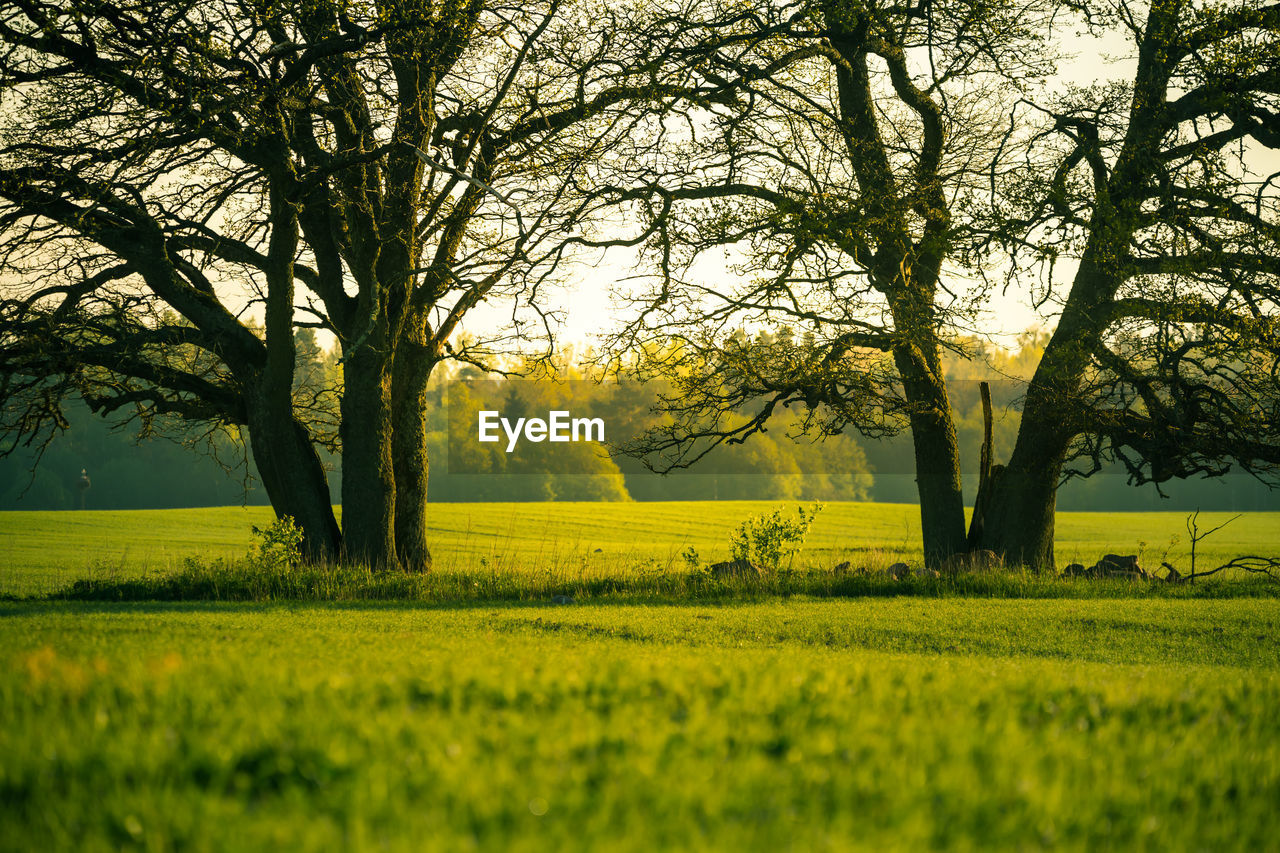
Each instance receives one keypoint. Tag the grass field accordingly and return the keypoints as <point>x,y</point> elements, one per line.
<point>867,724</point>
<point>497,720</point>
<point>44,551</point>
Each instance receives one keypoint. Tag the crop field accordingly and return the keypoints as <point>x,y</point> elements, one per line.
<point>44,551</point>
<point>1124,717</point>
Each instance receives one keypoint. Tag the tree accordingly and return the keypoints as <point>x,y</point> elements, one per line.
<point>95,328</point>
<point>377,169</point>
<point>1155,194</point>
<point>845,172</point>
<point>853,174</point>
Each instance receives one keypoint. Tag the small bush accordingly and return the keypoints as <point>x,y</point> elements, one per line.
<point>765,540</point>
<point>278,548</point>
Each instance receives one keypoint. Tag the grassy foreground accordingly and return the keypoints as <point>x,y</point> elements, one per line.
<point>44,551</point>
<point>660,710</point>
<point>871,724</point>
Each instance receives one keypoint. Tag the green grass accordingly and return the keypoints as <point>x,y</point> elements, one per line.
<point>44,551</point>
<point>209,705</point>
<point>899,724</point>
<point>245,580</point>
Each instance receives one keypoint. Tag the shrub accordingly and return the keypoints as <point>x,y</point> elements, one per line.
<point>277,548</point>
<point>767,539</point>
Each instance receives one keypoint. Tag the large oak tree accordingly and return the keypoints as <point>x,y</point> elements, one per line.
<point>1158,196</point>
<point>844,173</point>
<point>879,153</point>
<point>377,169</point>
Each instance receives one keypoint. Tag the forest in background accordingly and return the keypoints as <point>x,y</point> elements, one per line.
<point>134,465</point>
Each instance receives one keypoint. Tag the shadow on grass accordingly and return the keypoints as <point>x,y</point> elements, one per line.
<point>226,582</point>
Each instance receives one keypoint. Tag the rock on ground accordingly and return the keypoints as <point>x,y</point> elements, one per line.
<point>735,569</point>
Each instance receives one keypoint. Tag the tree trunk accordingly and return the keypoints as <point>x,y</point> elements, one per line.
<point>1019,519</point>
<point>287,462</point>
<point>987,472</point>
<point>413,367</point>
<point>1021,503</point>
<point>295,481</point>
<point>906,271</point>
<point>368,482</point>
<point>937,455</point>
<point>1019,522</point>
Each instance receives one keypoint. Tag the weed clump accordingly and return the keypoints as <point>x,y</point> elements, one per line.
<point>767,539</point>
<point>277,547</point>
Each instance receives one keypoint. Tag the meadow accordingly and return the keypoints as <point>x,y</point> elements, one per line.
<point>874,724</point>
<point>653,717</point>
<point>41,552</point>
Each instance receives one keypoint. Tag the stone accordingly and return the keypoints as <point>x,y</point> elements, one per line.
<point>1118,566</point>
<point>842,568</point>
<point>1116,562</point>
<point>898,571</point>
<point>735,569</point>
<point>562,599</point>
<point>985,561</point>
<point>1074,570</point>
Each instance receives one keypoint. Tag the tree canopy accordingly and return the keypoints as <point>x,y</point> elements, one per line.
<point>189,189</point>
<point>375,169</point>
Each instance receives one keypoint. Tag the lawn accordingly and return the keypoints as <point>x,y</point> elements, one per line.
<point>658,709</point>
<point>804,725</point>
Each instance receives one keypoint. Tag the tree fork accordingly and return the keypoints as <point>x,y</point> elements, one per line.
<point>987,472</point>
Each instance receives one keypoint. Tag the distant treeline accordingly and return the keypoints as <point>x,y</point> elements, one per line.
<point>179,470</point>
<point>770,466</point>
<point>125,473</point>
